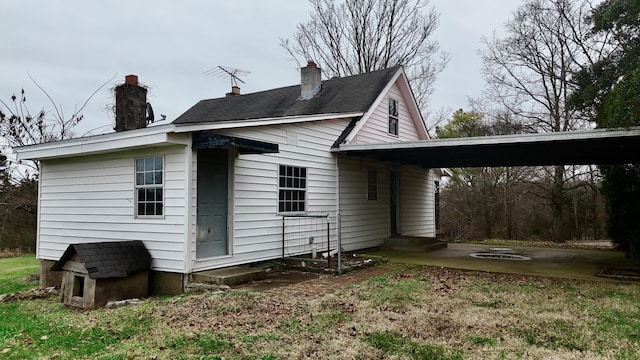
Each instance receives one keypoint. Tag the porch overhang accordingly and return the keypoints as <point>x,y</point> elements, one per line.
<point>207,140</point>
<point>590,147</point>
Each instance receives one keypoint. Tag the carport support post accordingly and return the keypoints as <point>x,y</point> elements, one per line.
<point>328,245</point>
<point>339,243</point>
<point>283,237</point>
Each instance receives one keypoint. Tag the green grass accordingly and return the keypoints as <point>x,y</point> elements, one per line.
<point>14,269</point>
<point>319,324</point>
<point>558,334</point>
<point>31,334</point>
<point>481,340</point>
<point>392,292</point>
<point>412,313</point>
<point>624,325</point>
<point>392,343</point>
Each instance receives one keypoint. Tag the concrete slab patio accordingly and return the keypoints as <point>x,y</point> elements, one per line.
<point>565,263</point>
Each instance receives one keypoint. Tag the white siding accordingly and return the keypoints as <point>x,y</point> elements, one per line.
<point>376,128</point>
<point>256,225</point>
<point>91,199</point>
<point>364,223</point>
<point>417,216</point>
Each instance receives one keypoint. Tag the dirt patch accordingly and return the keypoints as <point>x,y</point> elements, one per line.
<point>291,272</point>
<point>300,281</point>
<point>29,294</point>
<point>349,261</point>
<point>278,278</point>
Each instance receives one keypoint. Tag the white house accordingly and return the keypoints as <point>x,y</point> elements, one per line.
<point>210,189</point>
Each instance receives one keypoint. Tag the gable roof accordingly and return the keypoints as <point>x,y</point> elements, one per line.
<point>338,95</point>
<point>103,260</point>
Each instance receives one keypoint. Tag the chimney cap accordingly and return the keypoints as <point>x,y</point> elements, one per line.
<point>311,63</point>
<point>131,79</point>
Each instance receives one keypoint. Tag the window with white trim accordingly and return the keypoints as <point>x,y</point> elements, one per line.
<point>149,187</point>
<point>393,117</point>
<point>292,189</point>
<point>372,184</point>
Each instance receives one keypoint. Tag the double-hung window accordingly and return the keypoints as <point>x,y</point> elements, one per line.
<point>149,187</point>
<point>292,192</point>
<point>393,117</point>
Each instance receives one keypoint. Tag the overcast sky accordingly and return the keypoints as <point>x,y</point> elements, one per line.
<point>72,47</point>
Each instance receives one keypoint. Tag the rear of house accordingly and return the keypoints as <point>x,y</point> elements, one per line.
<point>213,188</point>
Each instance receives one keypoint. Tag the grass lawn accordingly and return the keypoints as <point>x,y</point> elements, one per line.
<point>406,313</point>
<point>14,269</point>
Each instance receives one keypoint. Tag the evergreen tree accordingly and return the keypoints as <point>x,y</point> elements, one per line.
<point>609,92</point>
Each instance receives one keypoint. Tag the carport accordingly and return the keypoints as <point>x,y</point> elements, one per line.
<point>595,147</point>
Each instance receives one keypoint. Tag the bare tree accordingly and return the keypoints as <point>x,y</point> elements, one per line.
<point>359,36</point>
<point>529,72</point>
<point>19,126</point>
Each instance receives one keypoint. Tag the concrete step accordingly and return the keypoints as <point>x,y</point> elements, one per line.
<point>415,248</point>
<point>229,276</point>
<point>410,240</point>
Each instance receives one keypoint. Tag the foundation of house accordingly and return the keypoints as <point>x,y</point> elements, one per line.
<point>160,282</point>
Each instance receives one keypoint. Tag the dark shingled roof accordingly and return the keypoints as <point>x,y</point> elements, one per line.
<point>338,95</point>
<point>109,259</point>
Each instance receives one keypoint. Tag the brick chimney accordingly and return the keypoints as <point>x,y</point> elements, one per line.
<point>235,90</point>
<point>131,105</point>
<point>310,80</point>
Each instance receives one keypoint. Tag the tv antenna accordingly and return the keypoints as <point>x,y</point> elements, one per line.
<point>224,71</point>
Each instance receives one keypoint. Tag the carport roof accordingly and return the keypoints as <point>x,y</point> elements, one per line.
<point>598,147</point>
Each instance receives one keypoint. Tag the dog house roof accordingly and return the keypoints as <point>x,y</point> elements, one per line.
<point>109,259</point>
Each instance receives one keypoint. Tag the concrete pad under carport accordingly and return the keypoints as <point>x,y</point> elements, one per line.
<point>555,262</point>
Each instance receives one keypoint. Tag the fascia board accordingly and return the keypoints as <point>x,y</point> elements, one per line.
<point>101,144</point>
<point>496,139</point>
<point>232,124</point>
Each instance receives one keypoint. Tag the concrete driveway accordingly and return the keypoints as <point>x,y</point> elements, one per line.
<point>565,263</point>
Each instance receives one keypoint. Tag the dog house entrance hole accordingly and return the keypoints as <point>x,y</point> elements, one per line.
<point>78,286</point>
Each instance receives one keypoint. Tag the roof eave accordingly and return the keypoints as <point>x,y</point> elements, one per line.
<point>230,124</point>
<point>126,140</point>
<point>503,139</point>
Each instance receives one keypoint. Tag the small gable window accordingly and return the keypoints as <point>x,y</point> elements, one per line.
<point>292,192</point>
<point>393,117</point>
<point>372,184</point>
<point>149,187</point>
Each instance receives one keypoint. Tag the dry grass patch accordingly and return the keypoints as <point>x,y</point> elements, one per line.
<point>411,313</point>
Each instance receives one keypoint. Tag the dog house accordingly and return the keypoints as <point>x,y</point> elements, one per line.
<point>95,273</point>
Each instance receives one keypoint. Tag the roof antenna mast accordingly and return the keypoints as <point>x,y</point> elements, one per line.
<point>226,71</point>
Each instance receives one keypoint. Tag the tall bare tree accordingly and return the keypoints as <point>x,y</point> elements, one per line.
<point>530,73</point>
<point>19,126</point>
<point>359,36</point>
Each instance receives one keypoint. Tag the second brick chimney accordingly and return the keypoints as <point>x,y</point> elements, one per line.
<point>310,80</point>
<point>131,105</point>
<point>235,90</point>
